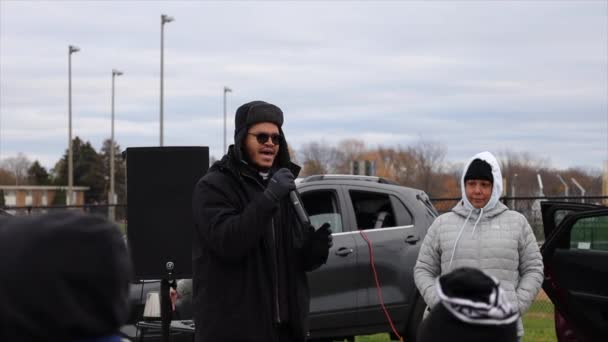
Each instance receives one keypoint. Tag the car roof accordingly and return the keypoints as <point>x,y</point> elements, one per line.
<point>371,181</point>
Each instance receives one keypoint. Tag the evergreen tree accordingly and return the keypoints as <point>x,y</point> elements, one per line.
<point>60,198</point>
<point>88,171</point>
<point>37,175</point>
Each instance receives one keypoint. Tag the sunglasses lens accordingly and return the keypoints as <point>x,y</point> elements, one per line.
<point>262,138</point>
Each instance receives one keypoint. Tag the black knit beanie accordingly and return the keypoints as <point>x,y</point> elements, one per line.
<point>479,169</point>
<point>472,308</point>
<point>255,112</point>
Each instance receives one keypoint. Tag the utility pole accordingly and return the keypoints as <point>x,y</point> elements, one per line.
<point>71,49</point>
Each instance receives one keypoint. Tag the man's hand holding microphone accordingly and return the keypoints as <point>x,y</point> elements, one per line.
<point>282,184</point>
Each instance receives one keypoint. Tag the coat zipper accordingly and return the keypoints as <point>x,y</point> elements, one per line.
<point>276,275</point>
<point>274,260</point>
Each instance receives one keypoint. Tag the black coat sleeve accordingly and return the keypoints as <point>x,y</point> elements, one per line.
<point>228,232</point>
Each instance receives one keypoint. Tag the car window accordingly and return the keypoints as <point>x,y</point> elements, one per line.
<point>559,216</point>
<point>404,218</point>
<point>322,206</point>
<point>372,210</point>
<point>590,233</point>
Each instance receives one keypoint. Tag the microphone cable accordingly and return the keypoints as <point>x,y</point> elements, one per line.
<point>378,288</point>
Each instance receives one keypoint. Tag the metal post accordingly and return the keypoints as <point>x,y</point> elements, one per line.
<point>70,166</point>
<point>71,49</point>
<point>580,188</point>
<point>163,19</point>
<point>111,199</point>
<point>540,185</point>
<point>513,191</point>
<point>226,90</point>
<point>565,185</point>
<point>162,52</point>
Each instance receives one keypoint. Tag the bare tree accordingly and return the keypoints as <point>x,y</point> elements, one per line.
<point>396,164</point>
<point>18,165</point>
<point>292,154</point>
<point>317,158</point>
<point>6,177</point>
<point>347,151</point>
<point>429,156</point>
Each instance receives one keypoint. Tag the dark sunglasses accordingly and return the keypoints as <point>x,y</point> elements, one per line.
<point>262,138</point>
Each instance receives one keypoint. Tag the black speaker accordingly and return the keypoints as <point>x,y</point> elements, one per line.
<point>160,181</point>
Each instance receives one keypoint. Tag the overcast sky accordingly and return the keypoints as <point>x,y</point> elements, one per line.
<point>476,75</point>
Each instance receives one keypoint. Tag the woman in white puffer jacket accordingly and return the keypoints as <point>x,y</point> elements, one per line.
<point>483,233</point>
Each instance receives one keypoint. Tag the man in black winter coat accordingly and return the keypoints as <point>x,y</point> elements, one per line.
<point>250,252</point>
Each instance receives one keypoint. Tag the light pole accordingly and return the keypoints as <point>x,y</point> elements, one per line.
<point>112,199</point>
<point>163,20</point>
<point>226,90</point>
<point>71,49</point>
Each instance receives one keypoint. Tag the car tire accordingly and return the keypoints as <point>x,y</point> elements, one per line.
<point>411,332</point>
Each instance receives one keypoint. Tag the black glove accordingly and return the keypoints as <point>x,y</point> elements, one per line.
<point>281,183</point>
<point>321,242</point>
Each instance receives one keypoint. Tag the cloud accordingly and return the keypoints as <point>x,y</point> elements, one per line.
<point>530,76</point>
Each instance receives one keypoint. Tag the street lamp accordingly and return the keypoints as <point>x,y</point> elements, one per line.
<point>71,49</point>
<point>226,90</point>
<point>163,20</point>
<point>112,199</point>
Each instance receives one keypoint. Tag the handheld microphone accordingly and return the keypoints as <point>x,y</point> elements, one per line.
<point>300,211</point>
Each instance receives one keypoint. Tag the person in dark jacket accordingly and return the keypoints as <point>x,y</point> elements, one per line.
<point>63,277</point>
<point>250,252</point>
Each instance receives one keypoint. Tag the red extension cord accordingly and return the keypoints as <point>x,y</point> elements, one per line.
<point>378,289</point>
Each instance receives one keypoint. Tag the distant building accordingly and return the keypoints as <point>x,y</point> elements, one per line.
<point>38,195</point>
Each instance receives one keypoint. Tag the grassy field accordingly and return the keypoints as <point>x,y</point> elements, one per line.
<point>538,321</point>
<point>538,324</point>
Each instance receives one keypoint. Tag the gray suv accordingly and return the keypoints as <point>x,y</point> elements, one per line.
<point>344,298</point>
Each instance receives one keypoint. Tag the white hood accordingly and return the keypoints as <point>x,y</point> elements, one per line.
<point>496,174</point>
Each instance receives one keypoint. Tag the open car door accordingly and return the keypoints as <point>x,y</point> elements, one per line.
<point>575,254</point>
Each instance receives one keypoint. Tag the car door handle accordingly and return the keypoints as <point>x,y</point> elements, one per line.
<point>412,239</point>
<point>344,251</point>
